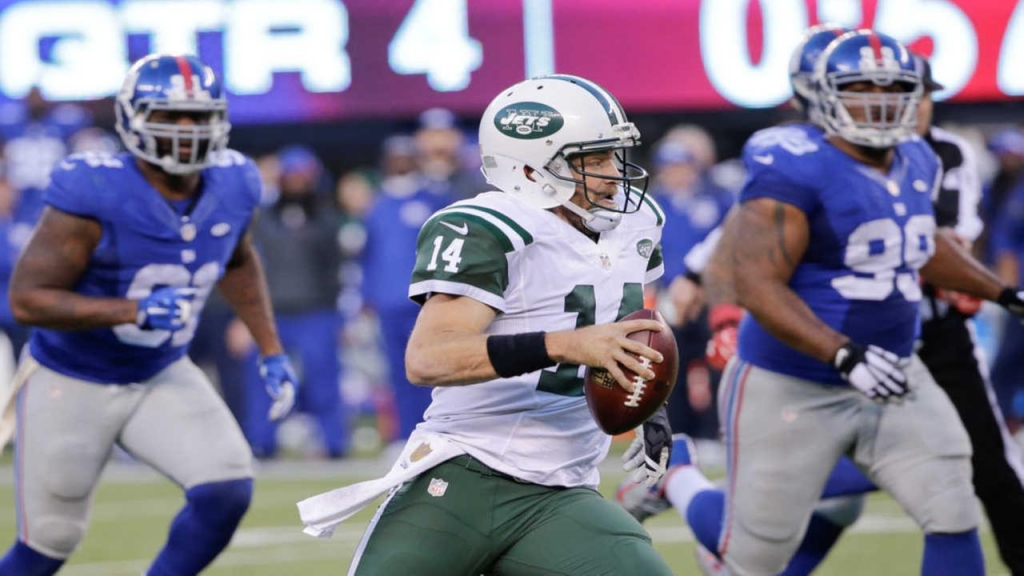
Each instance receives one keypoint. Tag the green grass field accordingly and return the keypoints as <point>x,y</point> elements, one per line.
<point>133,508</point>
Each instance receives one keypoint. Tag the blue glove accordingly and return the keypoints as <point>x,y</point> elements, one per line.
<point>279,378</point>
<point>167,308</point>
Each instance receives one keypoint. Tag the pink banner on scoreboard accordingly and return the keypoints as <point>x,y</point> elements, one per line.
<point>664,54</point>
<point>316,60</point>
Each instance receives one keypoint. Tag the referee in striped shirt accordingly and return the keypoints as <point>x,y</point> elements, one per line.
<point>949,347</point>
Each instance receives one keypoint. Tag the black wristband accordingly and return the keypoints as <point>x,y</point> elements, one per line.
<point>693,277</point>
<point>1013,300</point>
<point>1008,297</point>
<point>847,358</point>
<point>515,354</point>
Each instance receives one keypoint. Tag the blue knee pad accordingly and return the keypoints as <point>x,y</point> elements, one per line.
<point>953,555</point>
<point>221,504</point>
<point>204,527</point>
<point>21,560</point>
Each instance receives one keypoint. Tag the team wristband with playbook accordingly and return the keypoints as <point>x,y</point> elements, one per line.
<point>515,354</point>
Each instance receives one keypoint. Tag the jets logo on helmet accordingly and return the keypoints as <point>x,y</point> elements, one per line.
<point>529,120</point>
<point>543,124</point>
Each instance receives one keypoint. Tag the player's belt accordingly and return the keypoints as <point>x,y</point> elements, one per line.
<point>470,463</point>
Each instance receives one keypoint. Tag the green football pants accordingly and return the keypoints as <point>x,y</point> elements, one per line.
<point>462,518</point>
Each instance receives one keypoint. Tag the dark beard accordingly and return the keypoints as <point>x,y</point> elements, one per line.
<point>874,156</point>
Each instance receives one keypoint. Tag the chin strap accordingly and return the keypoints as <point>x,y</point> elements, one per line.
<point>597,219</point>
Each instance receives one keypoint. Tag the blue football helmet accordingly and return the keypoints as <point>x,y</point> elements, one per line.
<point>801,63</point>
<point>178,84</point>
<point>868,118</point>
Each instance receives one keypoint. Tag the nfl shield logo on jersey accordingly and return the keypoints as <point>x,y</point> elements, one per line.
<point>437,487</point>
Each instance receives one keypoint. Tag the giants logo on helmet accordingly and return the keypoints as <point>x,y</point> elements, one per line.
<point>880,58</point>
<point>182,90</point>
<point>528,120</point>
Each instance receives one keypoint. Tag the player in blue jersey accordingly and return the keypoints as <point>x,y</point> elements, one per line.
<point>843,231</point>
<point>842,499</point>
<point>114,277</point>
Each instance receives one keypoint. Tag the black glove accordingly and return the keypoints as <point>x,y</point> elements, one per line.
<point>874,371</point>
<point>650,451</point>
<point>1013,300</point>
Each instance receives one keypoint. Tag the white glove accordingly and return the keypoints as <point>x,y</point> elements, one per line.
<point>649,453</point>
<point>874,371</point>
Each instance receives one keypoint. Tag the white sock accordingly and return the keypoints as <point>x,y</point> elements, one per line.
<point>683,484</point>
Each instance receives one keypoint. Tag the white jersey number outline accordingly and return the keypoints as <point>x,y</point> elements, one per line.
<point>158,275</point>
<point>564,379</point>
<point>912,246</point>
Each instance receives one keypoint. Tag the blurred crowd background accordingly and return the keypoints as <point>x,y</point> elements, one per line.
<point>344,198</point>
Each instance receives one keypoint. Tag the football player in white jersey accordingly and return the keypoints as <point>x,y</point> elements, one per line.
<point>521,289</point>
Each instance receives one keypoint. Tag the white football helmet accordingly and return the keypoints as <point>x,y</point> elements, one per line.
<point>541,123</point>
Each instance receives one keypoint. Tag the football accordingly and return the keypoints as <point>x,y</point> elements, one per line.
<point>616,410</point>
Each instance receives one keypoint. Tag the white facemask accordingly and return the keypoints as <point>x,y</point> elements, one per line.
<point>596,219</point>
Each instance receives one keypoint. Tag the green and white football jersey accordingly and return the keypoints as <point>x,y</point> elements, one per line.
<point>539,273</point>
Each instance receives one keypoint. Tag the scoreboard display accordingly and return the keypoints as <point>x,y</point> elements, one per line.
<point>312,60</point>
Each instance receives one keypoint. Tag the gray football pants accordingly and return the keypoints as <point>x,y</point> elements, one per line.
<point>784,435</point>
<point>67,428</point>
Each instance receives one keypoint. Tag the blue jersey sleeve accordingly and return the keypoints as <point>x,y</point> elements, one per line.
<point>252,183</point>
<point>71,189</point>
<point>773,159</point>
<point>773,183</point>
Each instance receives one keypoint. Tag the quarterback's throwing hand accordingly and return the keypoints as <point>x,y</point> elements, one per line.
<point>167,308</point>
<point>872,370</point>
<point>279,378</point>
<point>649,453</point>
<point>608,346</point>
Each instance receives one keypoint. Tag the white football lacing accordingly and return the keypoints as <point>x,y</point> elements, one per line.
<point>639,385</point>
